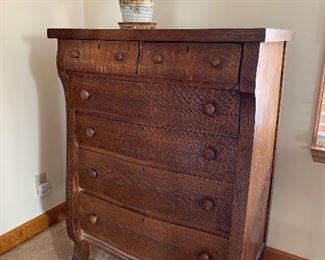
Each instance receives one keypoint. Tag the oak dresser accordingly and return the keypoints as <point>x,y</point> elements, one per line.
<point>171,139</point>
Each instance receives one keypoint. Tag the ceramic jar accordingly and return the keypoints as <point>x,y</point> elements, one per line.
<point>137,11</point>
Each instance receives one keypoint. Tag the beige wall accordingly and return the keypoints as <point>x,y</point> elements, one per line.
<point>298,210</point>
<point>32,115</point>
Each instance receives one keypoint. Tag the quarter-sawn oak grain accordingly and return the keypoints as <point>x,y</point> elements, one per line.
<point>165,105</point>
<point>171,139</point>
<point>154,239</point>
<point>174,197</point>
<point>169,149</point>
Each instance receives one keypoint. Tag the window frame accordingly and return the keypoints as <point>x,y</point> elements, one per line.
<point>318,153</point>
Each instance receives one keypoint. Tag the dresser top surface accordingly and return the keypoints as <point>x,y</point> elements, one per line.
<point>174,35</point>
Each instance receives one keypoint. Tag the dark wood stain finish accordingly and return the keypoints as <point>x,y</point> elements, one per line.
<point>174,197</point>
<point>163,105</point>
<point>171,138</point>
<point>174,150</point>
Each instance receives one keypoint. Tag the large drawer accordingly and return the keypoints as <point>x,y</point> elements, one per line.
<point>214,62</point>
<point>167,105</point>
<point>194,202</point>
<point>144,238</point>
<point>112,57</point>
<point>198,154</point>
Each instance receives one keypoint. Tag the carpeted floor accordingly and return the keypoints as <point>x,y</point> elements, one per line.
<point>51,244</point>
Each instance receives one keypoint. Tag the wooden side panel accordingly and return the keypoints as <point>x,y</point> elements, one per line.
<point>146,238</point>
<point>258,124</point>
<point>267,91</point>
<point>72,186</point>
<point>176,198</point>
<point>188,152</point>
<point>268,88</point>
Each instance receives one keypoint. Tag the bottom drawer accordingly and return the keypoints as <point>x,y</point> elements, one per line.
<point>146,238</point>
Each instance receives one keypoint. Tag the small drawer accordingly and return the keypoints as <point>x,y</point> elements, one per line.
<point>111,57</point>
<point>167,105</point>
<point>193,153</point>
<point>198,62</point>
<point>151,238</point>
<point>194,202</point>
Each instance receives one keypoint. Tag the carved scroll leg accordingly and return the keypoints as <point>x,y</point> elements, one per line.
<point>81,251</point>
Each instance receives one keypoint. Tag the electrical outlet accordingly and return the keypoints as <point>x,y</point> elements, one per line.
<point>43,189</point>
<point>42,184</point>
<point>40,179</point>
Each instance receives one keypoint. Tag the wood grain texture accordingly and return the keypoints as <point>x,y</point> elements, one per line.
<point>112,57</point>
<point>162,121</point>
<point>31,228</point>
<point>164,105</point>
<point>175,35</point>
<point>155,239</point>
<point>246,138</point>
<point>81,251</point>
<point>174,197</point>
<point>72,199</point>
<point>198,62</point>
<point>274,254</point>
<point>267,95</point>
<point>170,149</point>
<point>249,67</point>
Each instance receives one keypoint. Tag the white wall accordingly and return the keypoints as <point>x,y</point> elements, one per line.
<point>298,210</point>
<point>32,110</point>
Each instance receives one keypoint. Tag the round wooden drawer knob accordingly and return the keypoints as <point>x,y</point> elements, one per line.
<point>207,205</point>
<point>119,56</point>
<point>215,62</point>
<point>209,154</point>
<point>93,219</point>
<point>158,59</point>
<point>93,174</point>
<point>204,256</point>
<point>209,108</point>
<point>75,54</point>
<point>84,94</point>
<point>90,131</point>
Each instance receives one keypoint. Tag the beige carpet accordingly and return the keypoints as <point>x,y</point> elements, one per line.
<point>51,244</point>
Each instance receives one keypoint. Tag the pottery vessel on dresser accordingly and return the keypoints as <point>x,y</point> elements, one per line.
<point>137,11</point>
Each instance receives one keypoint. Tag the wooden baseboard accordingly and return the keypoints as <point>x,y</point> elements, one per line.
<point>274,254</point>
<point>31,228</point>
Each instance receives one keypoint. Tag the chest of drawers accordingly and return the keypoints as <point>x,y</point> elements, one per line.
<point>171,138</point>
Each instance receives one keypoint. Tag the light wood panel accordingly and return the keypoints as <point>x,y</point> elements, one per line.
<point>31,228</point>
<point>274,254</point>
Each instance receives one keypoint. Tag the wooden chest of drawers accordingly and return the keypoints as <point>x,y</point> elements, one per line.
<point>171,138</point>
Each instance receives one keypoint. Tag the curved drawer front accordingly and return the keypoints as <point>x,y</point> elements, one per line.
<point>214,62</point>
<point>177,198</point>
<point>183,151</point>
<point>112,57</point>
<point>173,106</point>
<point>145,238</point>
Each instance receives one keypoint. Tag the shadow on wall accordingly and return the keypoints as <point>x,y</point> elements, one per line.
<point>52,118</point>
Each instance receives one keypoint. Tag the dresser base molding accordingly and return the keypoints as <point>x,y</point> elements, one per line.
<point>31,228</point>
<point>106,247</point>
<point>266,253</point>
